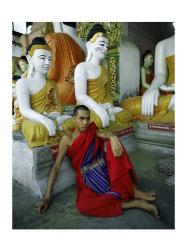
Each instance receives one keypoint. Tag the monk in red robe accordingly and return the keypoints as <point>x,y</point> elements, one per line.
<point>106,180</point>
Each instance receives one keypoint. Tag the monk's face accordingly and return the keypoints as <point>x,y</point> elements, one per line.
<point>82,120</point>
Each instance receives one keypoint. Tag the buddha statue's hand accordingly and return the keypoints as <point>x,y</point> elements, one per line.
<point>49,124</point>
<point>112,111</point>
<point>106,105</point>
<point>102,113</point>
<point>61,119</point>
<point>52,115</point>
<point>168,88</point>
<point>149,100</point>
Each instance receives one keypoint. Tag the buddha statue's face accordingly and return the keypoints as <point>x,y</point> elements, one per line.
<point>23,66</point>
<point>99,47</point>
<point>148,60</point>
<point>41,60</point>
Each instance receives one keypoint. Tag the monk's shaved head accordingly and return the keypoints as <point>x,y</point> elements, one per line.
<point>80,107</point>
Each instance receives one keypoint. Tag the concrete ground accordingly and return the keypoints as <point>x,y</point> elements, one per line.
<point>63,214</point>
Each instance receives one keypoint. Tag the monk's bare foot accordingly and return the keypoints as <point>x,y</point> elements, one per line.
<point>142,204</point>
<point>148,207</point>
<point>148,196</point>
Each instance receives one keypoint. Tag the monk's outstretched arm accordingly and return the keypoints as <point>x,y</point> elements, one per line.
<point>116,146</point>
<point>42,206</point>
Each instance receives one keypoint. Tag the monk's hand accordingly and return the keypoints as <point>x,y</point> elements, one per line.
<point>116,146</point>
<point>42,206</point>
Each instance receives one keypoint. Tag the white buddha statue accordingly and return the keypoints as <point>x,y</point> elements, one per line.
<point>92,85</point>
<point>23,64</point>
<point>164,76</point>
<point>17,118</point>
<point>37,100</point>
<point>153,106</point>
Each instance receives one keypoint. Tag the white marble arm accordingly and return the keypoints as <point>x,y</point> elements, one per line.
<point>83,98</point>
<point>111,110</point>
<point>57,27</point>
<point>52,115</point>
<point>150,97</point>
<point>23,97</point>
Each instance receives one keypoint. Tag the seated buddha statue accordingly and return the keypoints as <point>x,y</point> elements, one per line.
<point>153,106</point>
<point>23,64</point>
<point>67,51</point>
<point>146,71</point>
<point>36,96</point>
<point>92,85</point>
<point>17,118</point>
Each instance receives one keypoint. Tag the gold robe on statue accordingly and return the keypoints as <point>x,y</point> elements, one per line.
<point>99,90</point>
<point>36,134</point>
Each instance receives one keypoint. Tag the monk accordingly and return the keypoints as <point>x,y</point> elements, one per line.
<point>106,181</point>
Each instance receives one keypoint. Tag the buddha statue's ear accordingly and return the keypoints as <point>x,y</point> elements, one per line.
<point>89,55</point>
<point>31,67</point>
<point>28,58</point>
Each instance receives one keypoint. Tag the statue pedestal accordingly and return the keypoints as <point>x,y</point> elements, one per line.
<point>128,139</point>
<point>31,166</point>
<point>155,137</point>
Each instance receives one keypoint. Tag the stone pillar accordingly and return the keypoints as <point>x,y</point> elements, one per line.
<point>129,68</point>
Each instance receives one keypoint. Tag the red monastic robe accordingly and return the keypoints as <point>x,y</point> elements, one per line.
<point>120,172</point>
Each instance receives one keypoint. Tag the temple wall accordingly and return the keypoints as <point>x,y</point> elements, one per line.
<point>141,38</point>
<point>16,51</point>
